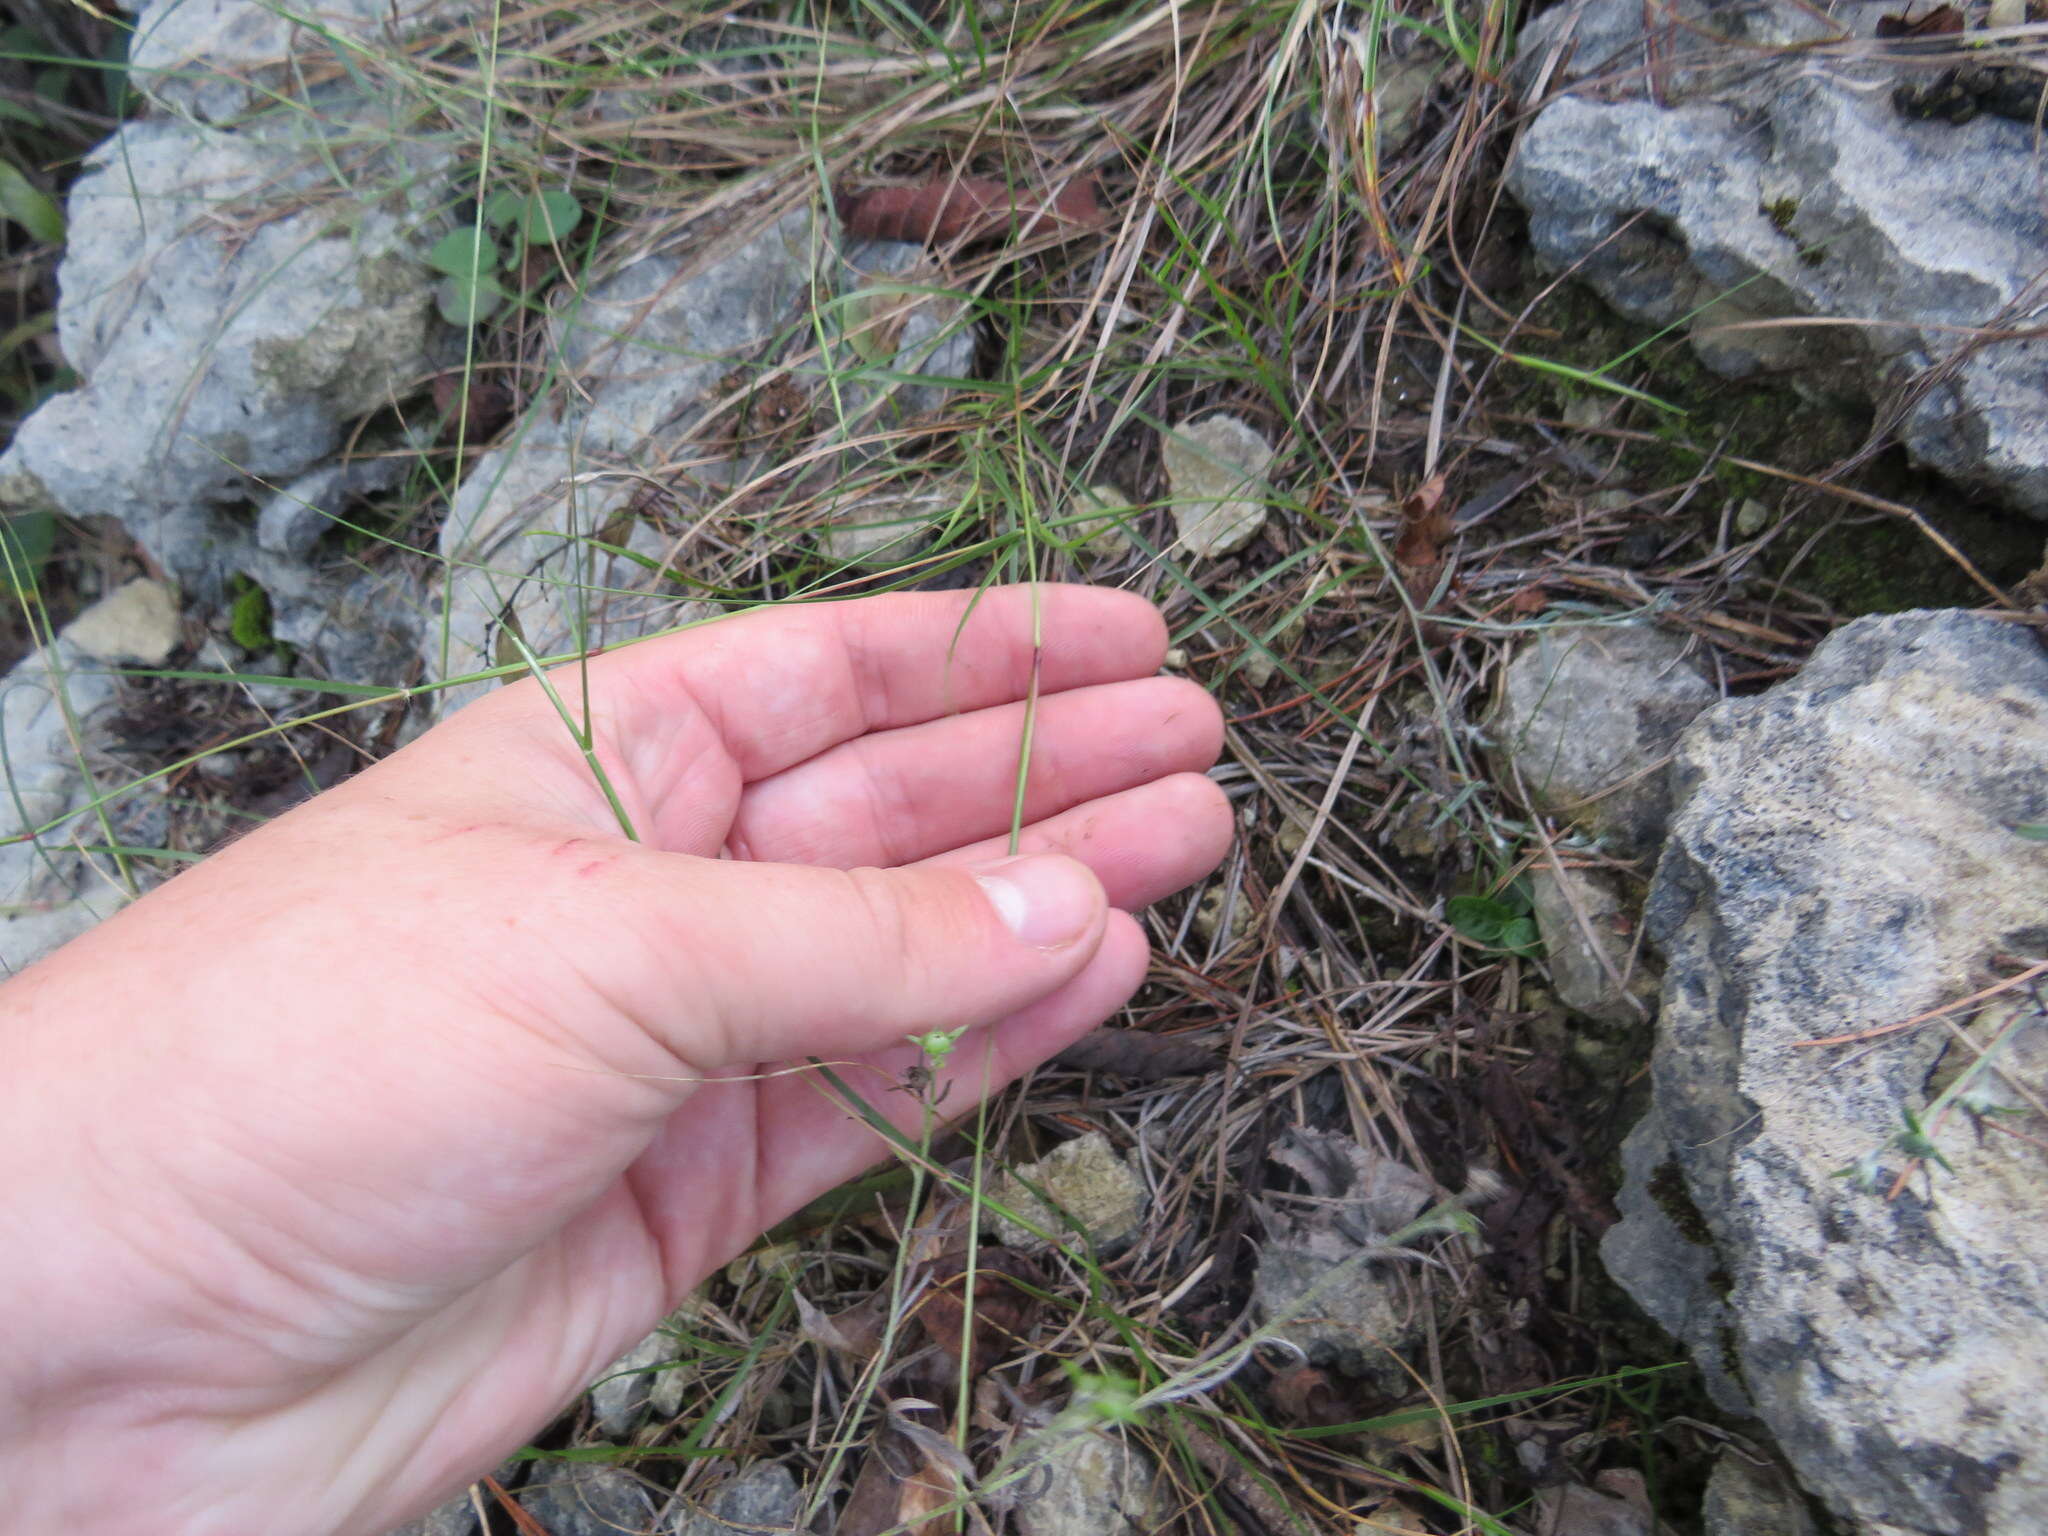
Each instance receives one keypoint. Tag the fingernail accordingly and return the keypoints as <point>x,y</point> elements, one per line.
<point>1047,901</point>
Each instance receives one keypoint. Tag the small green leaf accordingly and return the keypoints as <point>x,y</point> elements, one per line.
<point>466,301</point>
<point>2032,831</point>
<point>26,540</point>
<point>1477,918</point>
<point>29,206</point>
<point>503,208</point>
<point>1519,935</point>
<point>464,253</point>
<point>549,216</point>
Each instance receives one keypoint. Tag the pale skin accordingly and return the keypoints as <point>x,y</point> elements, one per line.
<point>340,1163</point>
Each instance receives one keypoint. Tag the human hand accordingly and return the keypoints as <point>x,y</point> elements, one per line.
<point>347,1157</point>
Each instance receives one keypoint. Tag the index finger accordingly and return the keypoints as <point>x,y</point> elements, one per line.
<point>782,685</point>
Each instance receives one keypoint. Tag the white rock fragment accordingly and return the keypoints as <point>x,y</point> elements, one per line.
<point>1086,1178</point>
<point>624,1391</point>
<point>1216,473</point>
<point>136,624</point>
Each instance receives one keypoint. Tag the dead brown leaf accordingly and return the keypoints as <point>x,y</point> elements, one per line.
<point>484,408</point>
<point>1303,1395</point>
<point>1426,527</point>
<point>1004,1312</point>
<point>1939,22</point>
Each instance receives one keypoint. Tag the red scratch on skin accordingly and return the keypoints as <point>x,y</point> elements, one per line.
<point>442,837</point>
<point>591,868</point>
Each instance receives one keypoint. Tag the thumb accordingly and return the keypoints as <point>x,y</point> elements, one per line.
<point>764,962</point>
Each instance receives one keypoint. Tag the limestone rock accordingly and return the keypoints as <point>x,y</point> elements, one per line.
<point>651,344</point>
<point>762,1499</point>
<point>1316,1287</point>
<point>884,530</point>
<point>1749,1498</point>
<point>1588,713</point>
<point>53,707</point>
<point>589,1499</point>
<point>1216,473</point>
<point>227,323</point>
<point>1594,960</point>
<point>455,1518</point>
<point>1750,193</point>
<point>1089,1180</point>
<point>217,58</point>
<point>1572,1509</point>
<point>1843,856</point>
<point>136,623</point>
<point>623,1393</point>
<point>1089,1485</point>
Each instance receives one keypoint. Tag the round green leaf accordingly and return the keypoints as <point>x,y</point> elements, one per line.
<point>549,216</point>
<point>1477,918</point>
<point>464,301</point>
<point>504,207</point>
<point>464,254</point>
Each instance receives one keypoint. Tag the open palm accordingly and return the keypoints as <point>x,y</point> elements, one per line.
<point>393,1119</point>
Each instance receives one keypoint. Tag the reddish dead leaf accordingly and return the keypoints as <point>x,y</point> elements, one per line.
<point>1003,1310</point>
<point>485,409</point>
<point>1939,22</point>
<point>1531,599</point>
<point>1139,1055</point>
<point>855,1332</point>
<point>1303,1395</point>
<point>904,1488</point>
<point>1425,528</point>
<point>968,209</point>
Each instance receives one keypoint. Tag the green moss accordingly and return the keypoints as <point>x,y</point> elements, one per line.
<point>1667,1188</point>
<point>1885,565</point>
<point>1857,562</point>
<point>249,616</point>
<point>1781,212</point>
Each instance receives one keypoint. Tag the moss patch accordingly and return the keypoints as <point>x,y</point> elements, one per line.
<point>1856,562</point>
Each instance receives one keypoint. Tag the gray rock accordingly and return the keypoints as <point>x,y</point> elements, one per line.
<point>293,520</point>
<point>884,530</point>
<point>589,1499</point>
<point>1746,1497</point>
<point>1216,474</point>
<point>455,1518</point>
<point>1089,1180</point>
<point>1843,857</point>
<point>762,1499</point>
<point>623,1392</point>
<point>650,344</point>
<point>53,705</point>
<point>1588,712</point>
<point>1089,1485</point>
<point>1766,189</point>
<point>1662,1253</point>
<point>217,58</point>
<point>355,627</point>
<point>227,317</point>
<point>1572,1509</point>
<point>1588,944</point>
<point>1317,1286</point>
<point>136,623</point>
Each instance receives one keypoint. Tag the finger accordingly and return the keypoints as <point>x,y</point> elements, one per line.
<point>785,684</point>
<point>899,796</point>
<point>796,1138</point>
<point>723,962</point>
<point>1143,844</point>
